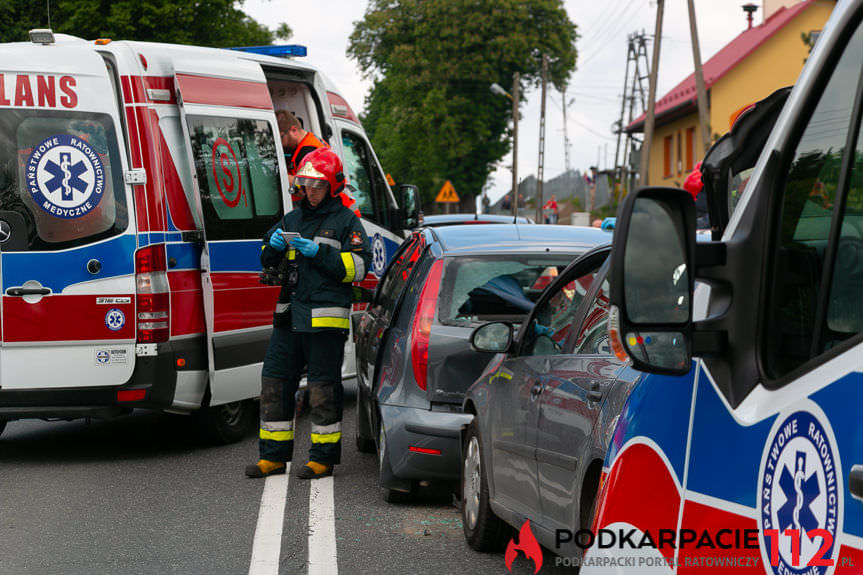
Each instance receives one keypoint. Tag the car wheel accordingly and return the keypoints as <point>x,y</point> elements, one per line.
<point>389,494</point>
<point>483,530</point>
<point>364,439</point>
<point>227,423</point>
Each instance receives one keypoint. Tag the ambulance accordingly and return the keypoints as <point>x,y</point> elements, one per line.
<point>741,449</point>
<point>136,182</point>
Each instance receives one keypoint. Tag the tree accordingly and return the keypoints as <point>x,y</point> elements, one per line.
<point>201,22</point>
<point>430,113</point>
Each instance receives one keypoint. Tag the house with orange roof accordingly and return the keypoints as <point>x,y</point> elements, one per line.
<point>757,62</point>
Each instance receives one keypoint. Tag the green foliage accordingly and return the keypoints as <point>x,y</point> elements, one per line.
<point>430,113</point>
<point>200,22</point>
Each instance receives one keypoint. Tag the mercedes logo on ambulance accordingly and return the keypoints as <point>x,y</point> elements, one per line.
<point>5,231</point>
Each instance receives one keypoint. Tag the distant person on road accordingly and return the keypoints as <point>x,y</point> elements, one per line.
<point>485,203</point>
<point>550,209</point>
<point>318,264</point>
<point>506,204</point>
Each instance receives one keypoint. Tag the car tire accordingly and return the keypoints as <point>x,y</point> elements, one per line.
<point>227,423</point>
<point>409,489</point>
<point>364,439</point>
<point>483,530</point>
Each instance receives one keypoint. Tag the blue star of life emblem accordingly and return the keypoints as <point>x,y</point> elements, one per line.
<point>115,319</point>
<point>799,499</point>
<point>65,176</point>
<point>379,255</point>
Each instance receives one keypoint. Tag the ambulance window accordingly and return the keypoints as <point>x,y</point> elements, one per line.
<point>62,173</point>
<point>362,174</point>
<point>238,176</point>
<point>808,205</point>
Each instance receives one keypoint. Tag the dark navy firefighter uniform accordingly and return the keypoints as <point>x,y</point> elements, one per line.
<point>310,327</point>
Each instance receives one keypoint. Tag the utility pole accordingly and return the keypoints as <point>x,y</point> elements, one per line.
<point>619,124</point>
<point>651,97</point>
<point>541,166</point>
<point>566,162</point>
<point>515,81</point>
<point>700,91</point>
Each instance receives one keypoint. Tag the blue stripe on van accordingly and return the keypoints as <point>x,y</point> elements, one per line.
<point>187,256</point>
<point>58,270</point>
<point>235,256</point>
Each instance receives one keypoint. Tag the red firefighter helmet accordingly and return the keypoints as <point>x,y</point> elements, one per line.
<point>322,165</point>
<point>693,183</point>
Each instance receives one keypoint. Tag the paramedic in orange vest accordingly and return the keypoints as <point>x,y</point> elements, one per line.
<point>297,143</point>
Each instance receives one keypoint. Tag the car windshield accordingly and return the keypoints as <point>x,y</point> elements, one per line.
<point>495,287</point>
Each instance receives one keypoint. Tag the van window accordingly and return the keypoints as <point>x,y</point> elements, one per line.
<point>362,173</point>
<point>238,176</point>
<point>810,199</point>
<point>62,172</point>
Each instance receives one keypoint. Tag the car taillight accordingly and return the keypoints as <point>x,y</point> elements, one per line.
<point>422,325</point>
<point>151,294</point>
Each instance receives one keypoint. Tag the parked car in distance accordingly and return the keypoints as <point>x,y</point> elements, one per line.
<point>544,409</point>
<point>414,360</point>
<point>452,219</point>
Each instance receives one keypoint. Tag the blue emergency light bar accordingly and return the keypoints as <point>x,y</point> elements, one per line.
<point>280,51</point>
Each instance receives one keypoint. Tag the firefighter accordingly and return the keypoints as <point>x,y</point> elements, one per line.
<point>316,270</point>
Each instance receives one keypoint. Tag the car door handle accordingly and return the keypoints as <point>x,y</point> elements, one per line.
<point>20,291</point>
<point>594,396</point>
<point>855,482</point>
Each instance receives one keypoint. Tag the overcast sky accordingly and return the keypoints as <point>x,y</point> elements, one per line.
<point>595,88</point>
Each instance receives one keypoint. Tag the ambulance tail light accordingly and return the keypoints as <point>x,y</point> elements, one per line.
<point>421,330</point>
<point>151,294</point>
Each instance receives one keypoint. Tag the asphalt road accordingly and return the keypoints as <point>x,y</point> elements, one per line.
<point>143,494</point>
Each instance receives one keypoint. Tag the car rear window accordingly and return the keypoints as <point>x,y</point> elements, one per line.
<point>494,287</point>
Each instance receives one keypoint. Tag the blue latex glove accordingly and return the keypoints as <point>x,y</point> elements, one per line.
<point>608,224</point>
<point>306,247</point>
<point>542,330</point>
<point>277,241</point>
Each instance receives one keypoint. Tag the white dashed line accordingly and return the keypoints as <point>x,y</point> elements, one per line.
<point>323,559</point>
<point>268,534</point>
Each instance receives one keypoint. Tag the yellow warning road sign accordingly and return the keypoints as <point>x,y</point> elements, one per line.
<point>447,193</point>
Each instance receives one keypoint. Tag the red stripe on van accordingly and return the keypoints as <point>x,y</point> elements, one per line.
<point>150,136</point>
<point>138,90</point>
<point>134,147</point>
<point>187,302</point>
<point>223,92</point>
<point>64,318</point>
<point>242,301</point>
<point>181,214</point>
<point>127,89</point>
<point>703,519</point>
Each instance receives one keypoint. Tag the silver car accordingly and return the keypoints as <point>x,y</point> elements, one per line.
<point>414,361</point>
<point>544,409</point>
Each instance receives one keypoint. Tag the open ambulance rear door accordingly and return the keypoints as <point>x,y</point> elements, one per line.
<point>240,184</point>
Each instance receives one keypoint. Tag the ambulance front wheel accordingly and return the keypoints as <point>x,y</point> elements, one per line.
<point>227,423</point>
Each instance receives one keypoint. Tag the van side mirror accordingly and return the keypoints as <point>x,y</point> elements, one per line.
<point>410,206</point>
<point>652,279</point>
<point>493,337</point>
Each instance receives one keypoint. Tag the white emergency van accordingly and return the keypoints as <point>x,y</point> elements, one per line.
<point>136,182</point>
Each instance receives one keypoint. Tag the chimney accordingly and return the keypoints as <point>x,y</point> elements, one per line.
<point>749,9</point>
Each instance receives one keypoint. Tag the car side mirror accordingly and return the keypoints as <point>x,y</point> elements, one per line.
<point>409,203</point>
<point>652,279</point>
<point>493,337</point>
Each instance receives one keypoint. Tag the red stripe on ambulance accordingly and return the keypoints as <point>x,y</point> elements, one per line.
<point>223,92</point>
<point>83,319</point>
<point>242,301</point>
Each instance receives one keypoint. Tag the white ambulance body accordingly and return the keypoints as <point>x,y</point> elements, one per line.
<point>136,182</point>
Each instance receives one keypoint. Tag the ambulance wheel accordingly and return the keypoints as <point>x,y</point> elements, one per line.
<point>364,439</point>
<point>227,423</point>
<point>483,530</point>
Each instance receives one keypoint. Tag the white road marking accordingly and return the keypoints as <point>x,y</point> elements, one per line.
<point>323,559</point>
<point>267,545</point>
